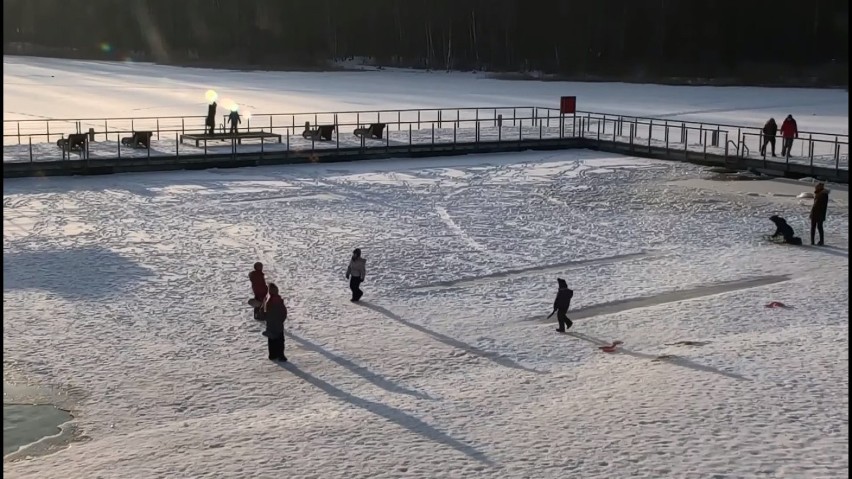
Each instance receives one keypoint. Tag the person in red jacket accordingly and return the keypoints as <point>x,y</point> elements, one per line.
<point>258,286</point>
<point>789,131</point>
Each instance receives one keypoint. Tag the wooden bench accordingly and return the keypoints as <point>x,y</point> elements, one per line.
<point>140,139</point>
<point>74,142</point>
<point>375,131</point>
<point>322,132</point>
<point>240,136</point>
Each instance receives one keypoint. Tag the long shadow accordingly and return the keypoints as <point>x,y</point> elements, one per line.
<point>528,269</point>
<point>393,415</point>
<point>627,304</point>
<point>494,357</point>
<point>359,370</point>
<point>832,250</point>
<point>677,361</point>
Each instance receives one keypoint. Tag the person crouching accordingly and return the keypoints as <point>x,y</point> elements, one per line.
<point>274,313</point>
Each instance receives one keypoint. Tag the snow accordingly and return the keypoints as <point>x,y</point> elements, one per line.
<point>77,90</point>
<point>127,292</point>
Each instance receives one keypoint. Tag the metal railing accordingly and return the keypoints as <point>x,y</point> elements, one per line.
<point>29,140</point>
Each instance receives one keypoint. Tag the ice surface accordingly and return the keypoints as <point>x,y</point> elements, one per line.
<point>128,293</point>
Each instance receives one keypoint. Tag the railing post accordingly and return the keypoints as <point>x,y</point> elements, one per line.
<point>398,121</point>
<point>418,119</point>
<point>31,148</point>
<point>48,132</point>
<point>409,137</point>
<point>182,129</point>
<point>667,138</point>
<point>433,135</point>
<point>18,123</point>
<point>270,123</point>
<point>454,136</point>
<point>158,129</point>
<point>287,150</point>
<point>514,114</point>
<point>650,133</point>
<point>548,117</point>
<point>836,156</point>
<point>439,119</point>
<point>177,146</point>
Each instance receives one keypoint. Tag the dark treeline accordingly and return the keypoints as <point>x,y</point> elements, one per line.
<point>750,41</point>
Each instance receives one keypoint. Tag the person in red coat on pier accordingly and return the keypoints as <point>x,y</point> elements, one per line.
<point>789,131</point>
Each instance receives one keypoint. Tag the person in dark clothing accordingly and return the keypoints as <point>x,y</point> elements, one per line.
<point>258,286</point>
<point>789,131</point>
<point>234,120</point>
<point>355,273</point>
<point>818,212</point>
<point>561,305</point>
<point>770,129</point>
<point>210,122</point>
<point>275,313</point>
<point>784,230</point>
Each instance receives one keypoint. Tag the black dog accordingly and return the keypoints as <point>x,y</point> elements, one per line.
<point>785,230</point>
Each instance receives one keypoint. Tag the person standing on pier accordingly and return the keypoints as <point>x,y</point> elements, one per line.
<point>210,121</point>
<point>789,131</point>
<point>234,120</point>
<point>770,129</point>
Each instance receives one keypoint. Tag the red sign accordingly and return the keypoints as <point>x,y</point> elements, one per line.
<point>568,105</point>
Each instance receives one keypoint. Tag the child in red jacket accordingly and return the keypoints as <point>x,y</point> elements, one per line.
<point>789,131</point>
<point>258,287</point>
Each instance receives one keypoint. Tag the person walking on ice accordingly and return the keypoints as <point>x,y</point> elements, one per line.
<point>818,212</point>
<point>355,273</point>
<point>561,305</point>
<point>275,313</point>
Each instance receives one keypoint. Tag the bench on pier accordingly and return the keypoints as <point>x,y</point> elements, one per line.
<point>322,132</point>
<point>375,131</point>
<point>140,139</point>
<point>74,142</point>
<point>239,136</point>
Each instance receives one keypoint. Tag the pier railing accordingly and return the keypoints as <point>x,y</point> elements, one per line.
<point>34,140</point>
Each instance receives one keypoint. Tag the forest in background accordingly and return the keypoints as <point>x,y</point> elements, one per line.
<point>783,42</point>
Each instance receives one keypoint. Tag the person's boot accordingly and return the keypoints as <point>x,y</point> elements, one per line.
<point>560,330</point>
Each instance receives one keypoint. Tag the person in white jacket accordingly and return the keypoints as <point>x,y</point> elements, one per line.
<point>355,273</point>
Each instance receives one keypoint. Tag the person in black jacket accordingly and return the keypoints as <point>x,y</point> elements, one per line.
<point>818,212</point>
<point>770,129</point>
<point>784,230</point>
<point>561,305</point>
<point>275,313</point>
<point>210,121</point>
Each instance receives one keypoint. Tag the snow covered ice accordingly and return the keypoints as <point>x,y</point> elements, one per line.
<point>128,292</point>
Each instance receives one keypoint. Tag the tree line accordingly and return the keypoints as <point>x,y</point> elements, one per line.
<point>754,41</point>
